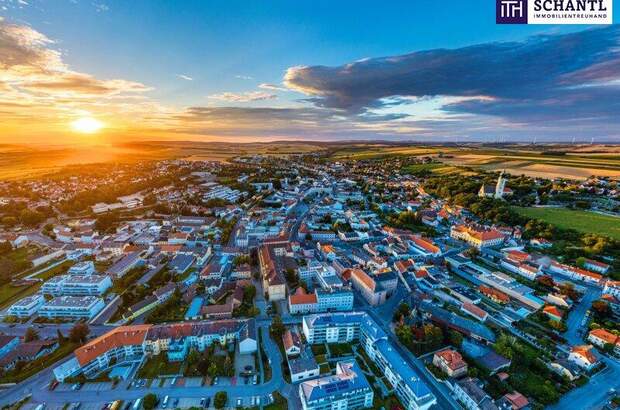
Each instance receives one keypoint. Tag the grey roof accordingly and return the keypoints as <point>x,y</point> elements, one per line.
<point>402,368</point>
<point>304,362</point>
<point>453,320</point>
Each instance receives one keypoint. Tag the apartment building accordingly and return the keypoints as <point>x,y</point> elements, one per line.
<point>359,326</point>
<point>72,307</point>
<point>26,307</point>
<point>77,285</point>
<point>82,268</point>
<point>347,389</point>
<point>130,344</point>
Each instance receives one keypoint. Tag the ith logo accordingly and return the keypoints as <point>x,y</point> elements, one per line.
<point>511,11</point>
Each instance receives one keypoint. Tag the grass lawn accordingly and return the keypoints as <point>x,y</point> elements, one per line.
<point>158,366</point>
<point>416,168</point>
<point>582,221</point>
<point>10,294</point>
<point>17,375</point>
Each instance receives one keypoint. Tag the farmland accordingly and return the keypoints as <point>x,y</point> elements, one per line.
<point>581,221</point>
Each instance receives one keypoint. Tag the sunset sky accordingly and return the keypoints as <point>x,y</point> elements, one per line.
<point>99,71</point>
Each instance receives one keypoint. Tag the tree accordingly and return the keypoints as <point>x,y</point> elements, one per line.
<point>79,333</point>
<point>472,252</point>
<point>601,308</point>
<point>220,400</point>
<point>456,339</point>
<point>31,334</point>
<point>149,401</point>
<point>212,370</point>
<point>277,327</point>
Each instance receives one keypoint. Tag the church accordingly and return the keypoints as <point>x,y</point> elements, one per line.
<point>498,191</point>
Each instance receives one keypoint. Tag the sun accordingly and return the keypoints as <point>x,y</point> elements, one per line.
<point>86,125</point>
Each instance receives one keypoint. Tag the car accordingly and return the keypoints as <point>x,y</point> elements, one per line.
<point>202,401</point>
<point>175,402</point>
<point>215,380</point>
<point>239,402</point>
<point>271,397</point>
<point>255,379</point>
<point>208,402</point>
<point>258,400</point>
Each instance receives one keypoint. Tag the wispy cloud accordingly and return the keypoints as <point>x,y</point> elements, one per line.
<point>272,87</point>
<point>185,77</point>
<point>101,7</point>
<point>244,77</point>
<point>248,96</point>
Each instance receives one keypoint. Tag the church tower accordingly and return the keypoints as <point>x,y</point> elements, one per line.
<point>499,187</point>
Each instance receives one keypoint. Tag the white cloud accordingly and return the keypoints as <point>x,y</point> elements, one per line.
<point>243,97</point>
<point>185,77</point>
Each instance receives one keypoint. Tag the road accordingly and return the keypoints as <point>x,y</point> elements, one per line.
<point>595,393</point>
<point>575,319</point>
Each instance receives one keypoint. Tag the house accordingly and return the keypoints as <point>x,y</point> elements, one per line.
<point>27,352</point>
<point>470,393</point>
<point>596,266</point>
<point>450,362</point>
<point>513,401</point>
<point>303,366</point>
<point>494,294</point>
<point>292,342</point>
<point>559,300</point>
<point>165,292</point>
<point>474,311</point>
<point>565,368</point>
<point>583,356</point>
<point>553,313</point>
<point>602,337</point>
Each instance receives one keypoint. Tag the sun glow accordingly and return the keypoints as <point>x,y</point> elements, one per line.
<point>86,125</point>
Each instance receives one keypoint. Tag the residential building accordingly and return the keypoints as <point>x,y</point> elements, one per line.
<point>77,285</point>
<point>26,307</point>
<point>601,338</point>
<point>130,344</point>
<point>82,268</point>
<point>470,393</point>
<point>596,266</point>
<point>347,389</point>
<point>72,307</point>
<point>273,281</point>
<point>303,366</point>
<point>477,236</point>
<point>583,356</point>
<point>359,326</point>
<point>450,362</point>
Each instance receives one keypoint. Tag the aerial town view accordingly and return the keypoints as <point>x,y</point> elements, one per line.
<point>310,206</point>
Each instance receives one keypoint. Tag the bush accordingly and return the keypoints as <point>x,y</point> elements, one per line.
<point>220,399</point>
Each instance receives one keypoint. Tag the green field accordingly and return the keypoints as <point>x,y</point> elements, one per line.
<point>582,221</point>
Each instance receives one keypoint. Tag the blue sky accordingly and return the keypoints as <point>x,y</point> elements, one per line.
<point>237,55</point>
